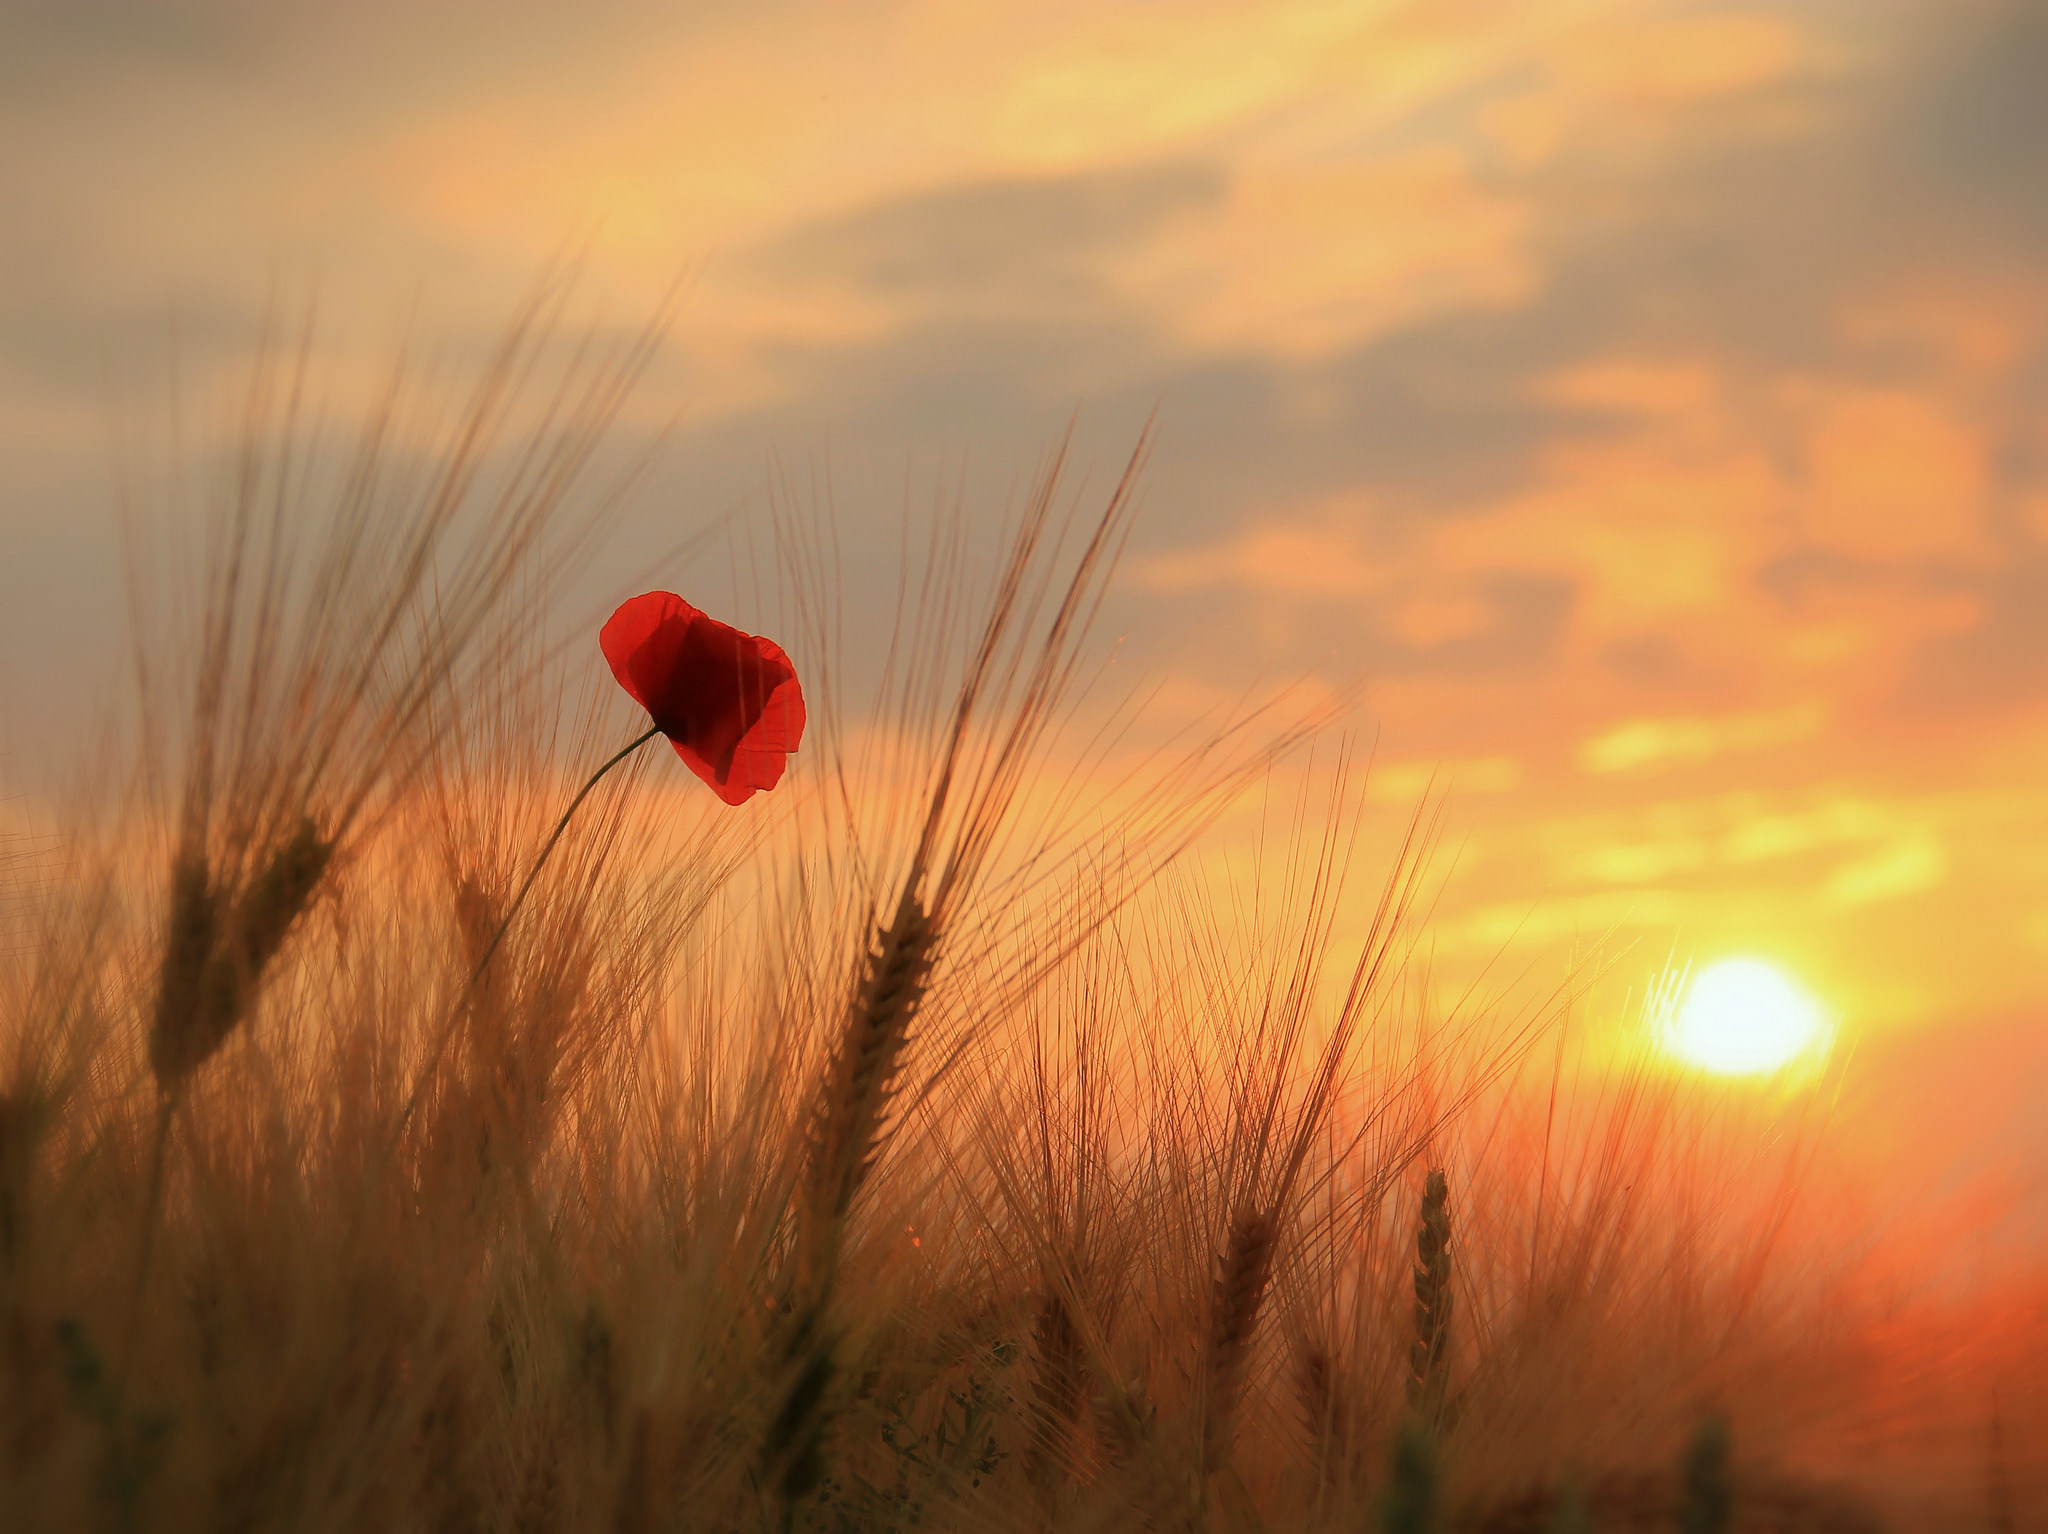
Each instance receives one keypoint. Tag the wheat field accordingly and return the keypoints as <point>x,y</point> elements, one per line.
<point>949,1139</point>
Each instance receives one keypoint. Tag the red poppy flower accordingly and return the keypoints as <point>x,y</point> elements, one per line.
<point>728,702</point>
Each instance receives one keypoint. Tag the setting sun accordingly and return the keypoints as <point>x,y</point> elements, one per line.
<point>1742,1017</point>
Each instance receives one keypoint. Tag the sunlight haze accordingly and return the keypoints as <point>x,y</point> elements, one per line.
<point>1741,1017</point>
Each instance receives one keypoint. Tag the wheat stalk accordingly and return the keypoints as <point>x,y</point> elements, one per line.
<point>1569,1514</point>
<point>207,983</point>
<point>1410,1505</point>
<point>978,771</point>
<point>1706,1502</point>
<point>24,1115</point>
<point>1326,1409</point>
<point>851,1111</point>
<point>1056,1394</point>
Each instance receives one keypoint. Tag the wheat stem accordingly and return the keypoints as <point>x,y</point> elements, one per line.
<point>1056,1394</point>
<point>1410,1506</point>
<point>852,1108</point>
<point>152,1204</point>
<point>1707,1499</point>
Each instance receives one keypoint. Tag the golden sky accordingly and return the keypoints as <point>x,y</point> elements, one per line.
<point>1648,401</point>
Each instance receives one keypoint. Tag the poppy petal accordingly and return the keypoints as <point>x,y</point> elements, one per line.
<point>727,701</point>
<point>636,622</point>
<point>732,789</point>
<point>781,725</point>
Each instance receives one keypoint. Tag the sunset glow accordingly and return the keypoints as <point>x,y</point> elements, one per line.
<point>1635,408</point>
<point>1743,1017</point>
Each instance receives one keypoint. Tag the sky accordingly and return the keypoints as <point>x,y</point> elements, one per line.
<point>1644,404</point>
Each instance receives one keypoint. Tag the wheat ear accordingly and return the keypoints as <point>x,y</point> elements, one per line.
<point>861,1078</point>
<point>1240,1292</point>
<point>1426,1367</point>
<point>1056,1394</point>
<point>214,958</point>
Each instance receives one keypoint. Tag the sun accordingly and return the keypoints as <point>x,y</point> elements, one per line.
<point>1743,1017</point>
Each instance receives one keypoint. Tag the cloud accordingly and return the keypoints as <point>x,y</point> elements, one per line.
<point>1974,123</point>
<point>1894,476</point>
<point>1664,742</point>
<point>1408,782</point>
<point>1005,240</point>
<point>1333,572</point>
<point>1291,262</point>
<point>1997,664</point>
<point>1304,263</point>
<point>50,41</point>
<point>1907,864</point>
<point>1324,556</point>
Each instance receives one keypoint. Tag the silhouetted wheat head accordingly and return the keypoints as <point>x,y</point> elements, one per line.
<point>1427,1367</point>
<point>1240,1293</point>
<point>219,941</point>
<point>861,1078</point>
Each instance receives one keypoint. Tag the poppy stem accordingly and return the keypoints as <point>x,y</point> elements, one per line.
<point>533,873</point>
<point>491,948</point>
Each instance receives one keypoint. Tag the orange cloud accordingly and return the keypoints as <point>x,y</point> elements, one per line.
<point>1405,783</point>
<point>1322,555</point>
<point>1894,476</point>
<point>1660,742</point>
<point>1670,60</point>
<point>1308,263</point>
